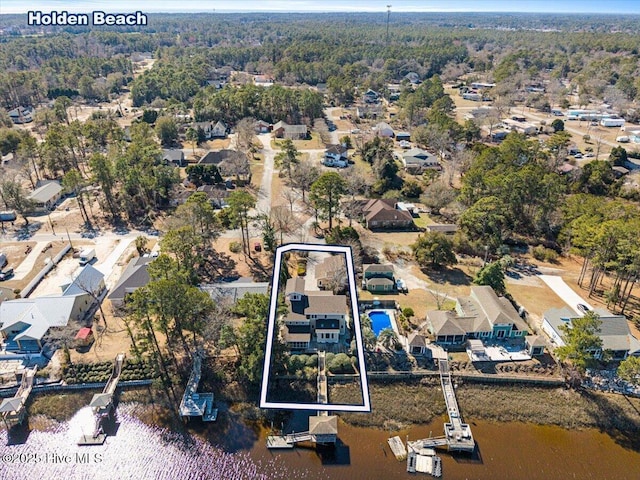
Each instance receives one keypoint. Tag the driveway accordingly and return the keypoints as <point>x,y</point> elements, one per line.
<point>565,292</point>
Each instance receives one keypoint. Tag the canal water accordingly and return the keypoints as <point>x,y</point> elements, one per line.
<point>231,449</point>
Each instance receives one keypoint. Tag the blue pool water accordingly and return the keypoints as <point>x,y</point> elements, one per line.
<point>379,321</point>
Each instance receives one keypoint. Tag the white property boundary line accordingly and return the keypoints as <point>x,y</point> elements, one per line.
<point>275,284</point>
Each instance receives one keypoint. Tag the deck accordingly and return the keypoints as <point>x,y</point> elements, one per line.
<point>14,409</point>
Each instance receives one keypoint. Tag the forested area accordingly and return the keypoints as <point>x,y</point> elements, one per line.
<point>343,52</point>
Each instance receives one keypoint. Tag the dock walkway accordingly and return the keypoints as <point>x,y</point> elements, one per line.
<point>197,404</point>
<point>457,434</point>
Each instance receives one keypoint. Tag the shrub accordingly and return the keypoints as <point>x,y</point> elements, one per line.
<point>408,312</point>
<point>544,254</point>
<point>235,247</point>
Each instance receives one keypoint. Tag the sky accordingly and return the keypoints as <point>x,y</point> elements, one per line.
<point>150,6</point>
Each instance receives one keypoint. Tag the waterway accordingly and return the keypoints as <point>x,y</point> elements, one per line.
<point>231,449</point>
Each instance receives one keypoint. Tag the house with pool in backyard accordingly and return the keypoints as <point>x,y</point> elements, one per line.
<point>487,326</point>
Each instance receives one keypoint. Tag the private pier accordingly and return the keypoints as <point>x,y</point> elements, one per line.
<point>457,435</point>
<point>14,409</point>
<point>323,428</point>
<point>102,404</point>
<point>197,404</point>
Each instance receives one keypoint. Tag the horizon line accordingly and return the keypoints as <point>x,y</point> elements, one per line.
<point>344,11</point>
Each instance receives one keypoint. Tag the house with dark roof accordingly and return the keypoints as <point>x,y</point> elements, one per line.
<point>21,115</point>
<point>135,275</point>
<point>313,317</point>
<point>614,331</point>
<point>378,278</point>
<point>229,162</point>
<point>371,96</point>
<point>217,194</point>
<point>382,214</point>
<point>291,132</point>
<point>482,315</point>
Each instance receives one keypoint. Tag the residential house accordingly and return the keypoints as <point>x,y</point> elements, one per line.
<point>380,214</point>
<point>174,156</point>
<point>219,130</point>
<point>135,276</point>
<point>378,278</point>
<point>217,194</point>
<point>614,331</point>
<point>417,160</point>
<point>383,129</point>
<point>234,290</point>
<point>21,115</point>
<point>262,127</point>
<point>46,195</point>
<point>291,132</point>
<point>25,321</point>
<point>331,273</point>
<point>372,111</point>
<point>482,315</point>
<point>206,127</point>
<point>263,80</point>
<point>371,96</point>
<point>336,156</point>
<point>519,126</point>
<point>229,162</point>
<point>313,316</point>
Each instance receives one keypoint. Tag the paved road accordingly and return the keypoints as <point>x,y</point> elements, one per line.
<point>29,262</point>
<point>263,205</point>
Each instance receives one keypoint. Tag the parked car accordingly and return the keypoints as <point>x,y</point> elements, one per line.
<point>6,275</point>
<point>583,308</point>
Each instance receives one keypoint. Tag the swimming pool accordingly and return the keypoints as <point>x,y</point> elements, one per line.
<point>380,320</point>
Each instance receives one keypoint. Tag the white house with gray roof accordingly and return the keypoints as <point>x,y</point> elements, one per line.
<point>47,195</point>
<point>614,331</point>
<point>25,321</point>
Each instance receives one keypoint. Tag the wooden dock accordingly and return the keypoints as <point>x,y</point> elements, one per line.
<point>14,409</point>
<point>102,404</point>
<point>197,404</point>
<point>397,447</point>
<point>423,460</point>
